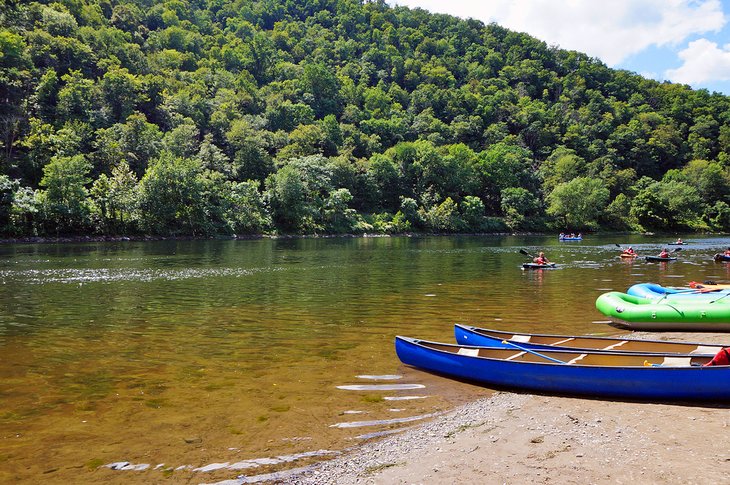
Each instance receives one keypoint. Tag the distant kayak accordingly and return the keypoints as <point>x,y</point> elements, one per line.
<point>659,258</point>
<point>676,244</point>
<point>570,238</point>
<point>628,255</point>
<point>537,266</point>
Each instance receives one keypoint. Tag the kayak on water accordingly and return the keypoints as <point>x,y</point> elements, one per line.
<point>659,258</point>
<point>628,255</point>
<point>537,266</point>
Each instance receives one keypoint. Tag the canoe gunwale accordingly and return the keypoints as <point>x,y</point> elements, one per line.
<point>462,331</point>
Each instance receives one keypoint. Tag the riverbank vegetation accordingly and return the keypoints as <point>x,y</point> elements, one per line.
<point>219,117</point>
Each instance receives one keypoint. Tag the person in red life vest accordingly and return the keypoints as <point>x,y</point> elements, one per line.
<point>721,358</point>
<point>630,251</point>
<point>541,259</point>
<point>664,253</point>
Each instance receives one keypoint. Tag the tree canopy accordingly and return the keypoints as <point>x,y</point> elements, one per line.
<point>179,117</point>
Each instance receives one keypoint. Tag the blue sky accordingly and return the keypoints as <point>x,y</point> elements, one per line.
<point>682,41</point>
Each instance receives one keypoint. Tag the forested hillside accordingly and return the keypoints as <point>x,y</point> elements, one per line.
<point>208,117</point>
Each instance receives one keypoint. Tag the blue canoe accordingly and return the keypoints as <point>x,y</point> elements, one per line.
<point>485,337</point>
<point>610,375</point>
<point>570,238</point>
<point>654,292</point>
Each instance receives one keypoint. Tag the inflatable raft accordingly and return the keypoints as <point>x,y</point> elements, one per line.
<point>656,292</point>
<point>636,313</point>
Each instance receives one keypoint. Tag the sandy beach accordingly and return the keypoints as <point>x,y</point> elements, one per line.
<point>526,438</point>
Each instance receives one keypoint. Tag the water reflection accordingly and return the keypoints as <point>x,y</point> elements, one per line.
<point>183,354</point>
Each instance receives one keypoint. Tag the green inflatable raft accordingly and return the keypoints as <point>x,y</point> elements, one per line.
<point>638,313</point>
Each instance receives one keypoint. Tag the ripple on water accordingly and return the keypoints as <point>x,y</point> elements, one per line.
<point>380,387</point>
<point>381,422</point>
<point>386,377</point>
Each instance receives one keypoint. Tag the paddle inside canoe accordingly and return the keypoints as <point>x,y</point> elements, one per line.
<point>469,335</point>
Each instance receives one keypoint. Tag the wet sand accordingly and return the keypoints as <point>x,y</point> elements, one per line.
<point>527,438</point>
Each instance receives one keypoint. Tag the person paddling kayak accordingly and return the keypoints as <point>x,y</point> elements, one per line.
<point>541,259</point>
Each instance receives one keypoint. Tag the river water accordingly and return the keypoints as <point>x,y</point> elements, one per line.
<point>199,361</point>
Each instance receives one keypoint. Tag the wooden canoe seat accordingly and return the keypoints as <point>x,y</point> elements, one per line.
<point>521,338</point>
<point>469,352</point>
<point>677,361</point>
<point>702,349</point>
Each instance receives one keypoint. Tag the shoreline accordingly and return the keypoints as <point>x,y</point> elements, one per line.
<point>522,438</point>
<point>253,237</point>
<point>249,237</point>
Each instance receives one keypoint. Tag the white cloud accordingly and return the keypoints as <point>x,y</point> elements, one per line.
<point>611,30</point>
<point>703,61</point>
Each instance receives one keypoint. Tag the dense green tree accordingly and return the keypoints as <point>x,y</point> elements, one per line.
<point>290,205</point>
<point>443,217</point>
<point>120,90</point>
<point>427,122</point>
<point>667,204</point>
<point>519,206</point>
<point>502,166</point>
<point>578,204</point>
<point>116,200</point>
<point>171,197</point>
<point>322,89</point>
<point>245,210</point>
<point>8,188</point>
<point>64,202</point>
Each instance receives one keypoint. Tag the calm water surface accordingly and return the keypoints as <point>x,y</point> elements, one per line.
<point>203,361</point>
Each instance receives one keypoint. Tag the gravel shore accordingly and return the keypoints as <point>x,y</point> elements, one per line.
<point>524,438</point>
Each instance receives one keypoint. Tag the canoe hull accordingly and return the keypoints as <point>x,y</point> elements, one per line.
<point>638,383</point>
<point>637,313</point>
<point>659,258</point>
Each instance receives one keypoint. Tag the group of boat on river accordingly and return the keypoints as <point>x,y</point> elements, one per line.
<point>629,253</point>
<point>622,368</point>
